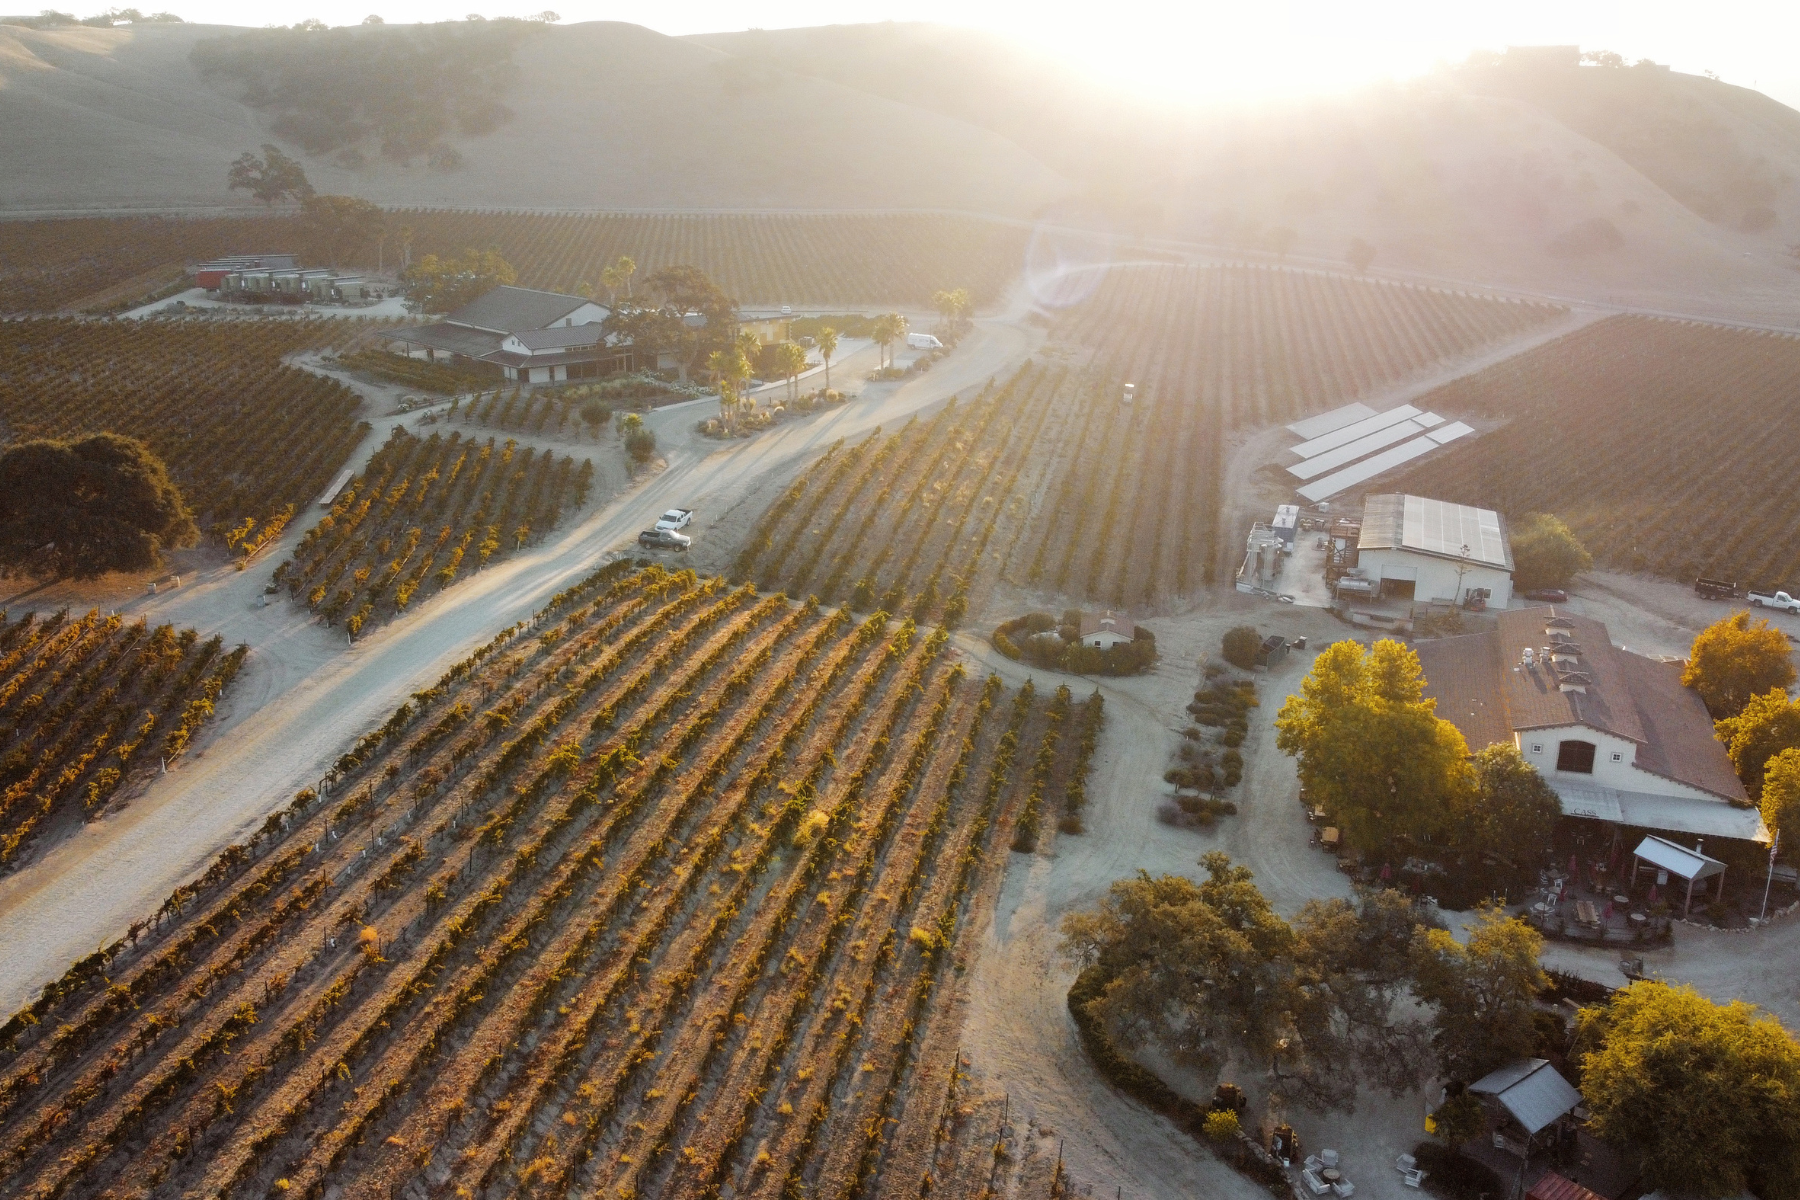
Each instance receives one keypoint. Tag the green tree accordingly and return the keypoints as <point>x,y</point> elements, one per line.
<point>1704,1097</point>
<point>640,440</point>
<point>1781,795</point>
<point>1763,728</point>
<point>1484,992</point>
<point>1199,969</point>
<point>595,414</point>
<point>684,290</point>
<point>1514,812</point>
<point>82,508</point>
<point>1351,977</point>
<point>1371,749</point>
<point>1734,659</point>
<point>791,358</point>
<point>1208,970</point>
<point>270,178</point>
<point>1459,1118</point>
<point>1360,255</point>
<point>1545,553</point>
<point>345,224</point>
<point>828,344</point>
<point>1241,646</point>
<point>436,284</point>
<point>889,328</point>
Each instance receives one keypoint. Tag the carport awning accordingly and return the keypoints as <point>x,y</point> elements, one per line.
<point>1531,1090</point>
<point>1677,860</point>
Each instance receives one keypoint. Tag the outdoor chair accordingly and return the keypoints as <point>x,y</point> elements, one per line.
<point>1344,1188</point>
<point>1413,1178</point>
<point>1405,1163</point>
<point>1313,1162</point>
<point>1317,1186</point>
<point>1329,1157</point>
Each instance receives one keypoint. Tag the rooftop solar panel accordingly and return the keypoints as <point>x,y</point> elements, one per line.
<point>1439,527</point>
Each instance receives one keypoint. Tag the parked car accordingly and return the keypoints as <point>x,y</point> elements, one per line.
<point>1549,595</point>
<point>1780,600</point>
<point>923,341</point>
<point>675,518</point>
<point>664,539</point>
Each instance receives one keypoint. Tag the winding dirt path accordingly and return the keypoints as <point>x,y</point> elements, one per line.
<point>305,694</point>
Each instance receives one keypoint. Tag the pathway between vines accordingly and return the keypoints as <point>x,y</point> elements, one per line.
<point>305,694</point>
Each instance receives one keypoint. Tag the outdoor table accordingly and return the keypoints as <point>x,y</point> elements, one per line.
<point>1331,1174</point>
<point>1638,918</point>
<point>1622,901</point>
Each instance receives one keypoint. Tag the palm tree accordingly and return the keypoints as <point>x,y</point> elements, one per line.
<point>884,335</point>
<point>827,347</point>
<point>626,268</point>
<point>793,361</point>
<point>609,279</point>
<point>889,329</point>
<point>719,363</point>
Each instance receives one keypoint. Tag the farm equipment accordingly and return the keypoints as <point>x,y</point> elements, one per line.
<point>1714,589</point>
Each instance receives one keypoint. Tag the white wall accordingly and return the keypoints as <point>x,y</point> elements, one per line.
<point>1623,775</point>
<point>1435,578</point>
<point>587,314</point>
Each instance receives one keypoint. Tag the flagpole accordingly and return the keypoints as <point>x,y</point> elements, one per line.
<point>1767,883</point>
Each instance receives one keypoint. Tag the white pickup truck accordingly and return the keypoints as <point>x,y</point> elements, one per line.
<point>675,519</point>
<point>1781,600</point>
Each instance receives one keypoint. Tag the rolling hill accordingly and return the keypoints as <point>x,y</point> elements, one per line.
<point>1629,184</point>
<point>606,116</point>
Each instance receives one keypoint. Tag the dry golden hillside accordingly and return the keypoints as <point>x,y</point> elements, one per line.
<point>606,115</point>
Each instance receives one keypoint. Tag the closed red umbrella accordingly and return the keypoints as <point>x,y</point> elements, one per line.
<point>1652,899</point>
<point>1387,871</point>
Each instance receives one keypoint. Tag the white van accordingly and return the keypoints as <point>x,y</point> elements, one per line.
<point>922,341</point>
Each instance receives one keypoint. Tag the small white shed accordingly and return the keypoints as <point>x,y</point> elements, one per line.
<point>1103,631</point>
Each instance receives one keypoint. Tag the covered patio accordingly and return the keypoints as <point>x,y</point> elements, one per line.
<point>1667,859</point>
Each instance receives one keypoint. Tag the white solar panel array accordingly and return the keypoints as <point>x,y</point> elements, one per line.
<point>1439,527</point>
<point>1348,445</point>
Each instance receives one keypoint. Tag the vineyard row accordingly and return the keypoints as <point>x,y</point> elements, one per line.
<point>652,895</point>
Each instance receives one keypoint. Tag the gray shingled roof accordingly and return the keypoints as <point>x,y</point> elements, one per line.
<point>457,339</point>
<point>559,339</point>
<point>512,309</point>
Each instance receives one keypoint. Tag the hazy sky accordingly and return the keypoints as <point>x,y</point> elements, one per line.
<point>1205,50</point>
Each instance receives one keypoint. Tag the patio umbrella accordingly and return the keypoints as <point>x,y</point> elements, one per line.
<point>1387,871</point>
<point>1652,899</point>
<point>1574,867</point>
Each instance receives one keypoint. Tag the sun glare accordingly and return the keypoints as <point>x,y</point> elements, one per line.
<point>1210,56</point>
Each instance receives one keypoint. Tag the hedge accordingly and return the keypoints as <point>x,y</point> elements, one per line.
<point>1143,1085</point>
<point>1018,641</point>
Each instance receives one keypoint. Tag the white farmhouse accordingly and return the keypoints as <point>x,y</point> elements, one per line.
<point>532,336</point>
<point>1615,734</point>
<point>1103,631</point>
<point>1413,548</point>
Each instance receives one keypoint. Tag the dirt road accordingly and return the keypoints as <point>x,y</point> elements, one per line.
<point>307,695</point>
